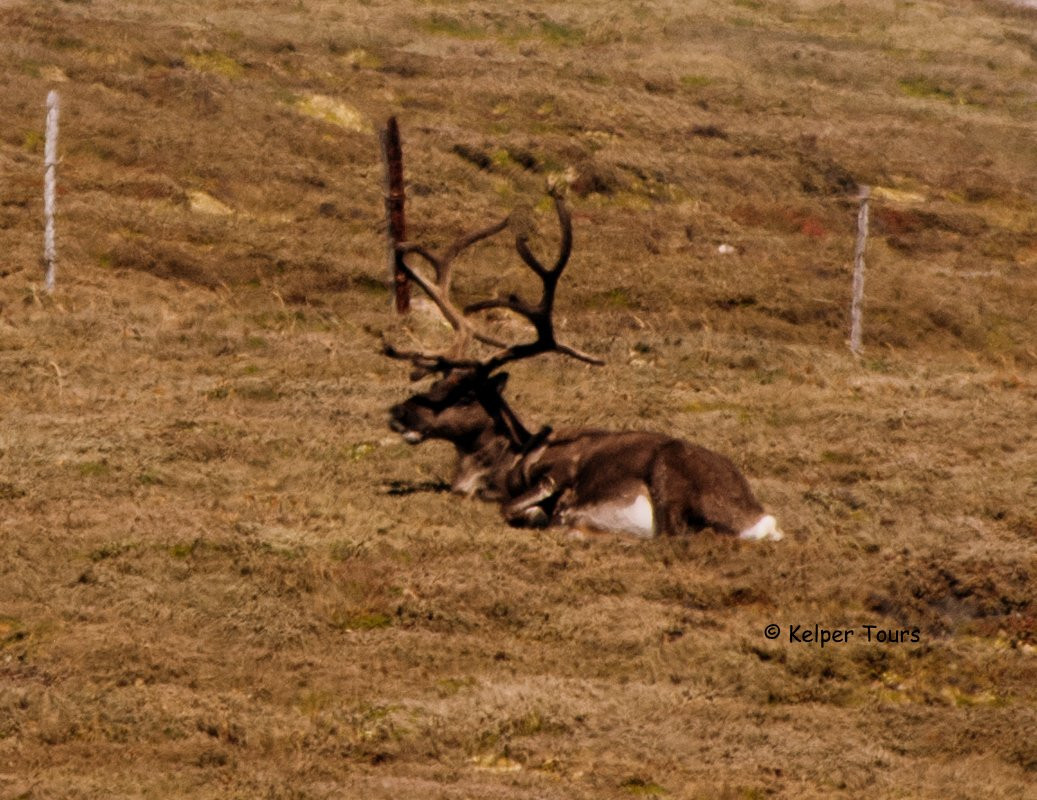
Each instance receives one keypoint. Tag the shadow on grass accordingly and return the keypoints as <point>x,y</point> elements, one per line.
<point>398,488</point>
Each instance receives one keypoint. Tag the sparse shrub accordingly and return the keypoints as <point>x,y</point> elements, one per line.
<point>93,469</point>
<point>922,86</point>
<point>360,621</point>
<point>216,63</point>
<point>447,25</point>
<point>642,787</point>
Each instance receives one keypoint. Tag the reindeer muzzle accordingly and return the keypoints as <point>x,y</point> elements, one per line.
<point>396,423</point>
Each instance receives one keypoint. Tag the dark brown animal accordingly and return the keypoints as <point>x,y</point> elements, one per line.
<point>633,482</point>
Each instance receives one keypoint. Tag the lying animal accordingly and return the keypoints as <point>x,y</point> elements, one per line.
<point>639,483</point>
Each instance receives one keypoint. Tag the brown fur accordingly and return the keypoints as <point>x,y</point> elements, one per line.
<point>568,471</point>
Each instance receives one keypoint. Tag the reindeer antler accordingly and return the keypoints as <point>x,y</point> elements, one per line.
<point>439,291</point>
<point>538,314</point>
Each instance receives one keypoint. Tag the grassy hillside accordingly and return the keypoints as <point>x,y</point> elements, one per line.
<point>222,576</point>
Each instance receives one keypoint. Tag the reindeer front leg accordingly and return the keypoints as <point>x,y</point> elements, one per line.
<point>525,510</point>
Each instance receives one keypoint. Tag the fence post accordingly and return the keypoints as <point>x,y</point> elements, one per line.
<point>858,272</point>
<point>392,155</point>
<point>50,168</point>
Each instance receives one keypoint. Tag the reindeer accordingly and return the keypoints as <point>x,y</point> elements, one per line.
<point>633,482</point>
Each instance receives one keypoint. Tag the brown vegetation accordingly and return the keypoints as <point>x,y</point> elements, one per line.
<point>222,576</point>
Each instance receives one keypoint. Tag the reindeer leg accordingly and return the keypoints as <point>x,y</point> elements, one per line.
<point>672,495</point>
<point>667,501</point>
<point>525,510</point>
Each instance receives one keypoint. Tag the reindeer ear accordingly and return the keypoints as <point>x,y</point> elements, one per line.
<point>499,381</point>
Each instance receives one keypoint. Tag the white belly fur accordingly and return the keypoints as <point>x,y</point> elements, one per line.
<point>636,517</point>
<point>766,528</point>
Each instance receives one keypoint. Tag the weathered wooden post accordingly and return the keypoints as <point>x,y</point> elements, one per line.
<point>392,155</point>
<point>50,168</point>
<point>858,272</point>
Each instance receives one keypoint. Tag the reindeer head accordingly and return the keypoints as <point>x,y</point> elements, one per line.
<point>463,407</point>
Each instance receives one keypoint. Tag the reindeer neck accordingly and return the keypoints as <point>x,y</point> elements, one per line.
<point>508,425</point>
<point>487,439</point>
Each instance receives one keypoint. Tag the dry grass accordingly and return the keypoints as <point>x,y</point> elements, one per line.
<point>221,576</point>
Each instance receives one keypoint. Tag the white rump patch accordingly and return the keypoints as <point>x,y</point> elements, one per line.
<point>636,518</point>
<point>412,437</point>
<point>766,527</point>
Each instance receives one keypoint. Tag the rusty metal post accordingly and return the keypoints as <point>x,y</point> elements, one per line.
<point>392,155</point>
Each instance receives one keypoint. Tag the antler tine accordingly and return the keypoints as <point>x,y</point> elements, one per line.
<point>443,264</point>
<point>565,250</point>
<point>462,243</point>
<point>539,315</point>
<point>439,292</point>
<point>428,362</point>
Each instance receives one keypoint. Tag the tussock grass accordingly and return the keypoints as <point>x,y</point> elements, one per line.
<point>221,575</point>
